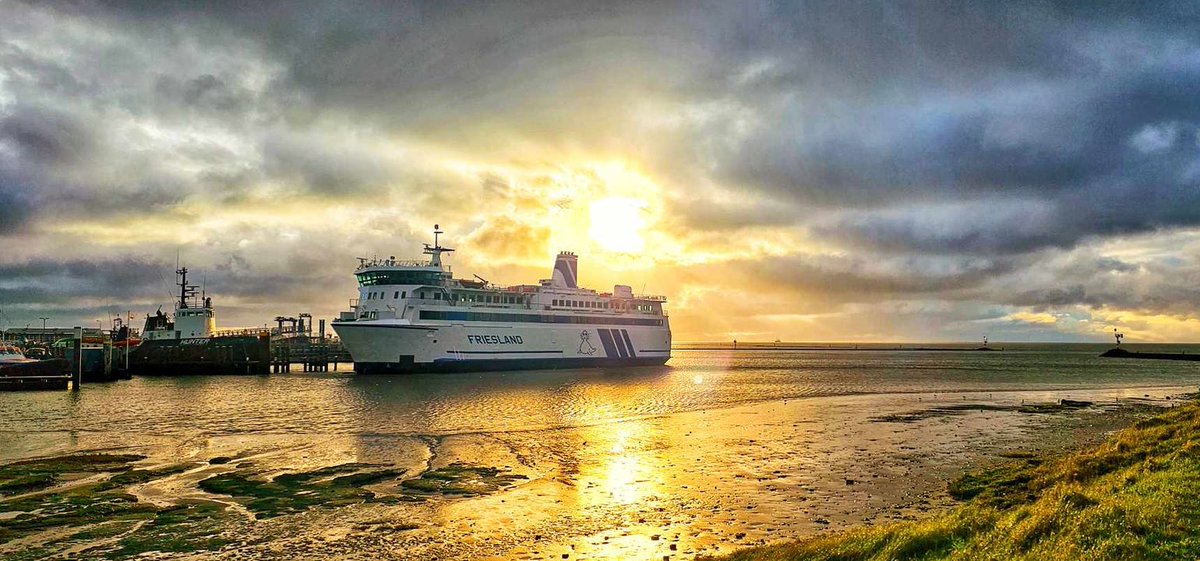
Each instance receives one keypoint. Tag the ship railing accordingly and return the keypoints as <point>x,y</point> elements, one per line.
<point>367,264</point>
<point>650,297</point>
<point>251,331</point>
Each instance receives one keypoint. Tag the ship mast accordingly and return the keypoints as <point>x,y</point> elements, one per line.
<point>435,252</point>
<point>185,290</point>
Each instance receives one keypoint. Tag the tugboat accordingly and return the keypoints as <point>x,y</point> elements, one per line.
<point>191,344</point>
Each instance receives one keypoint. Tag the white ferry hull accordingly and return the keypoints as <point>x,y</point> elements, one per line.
<point>384,346</point>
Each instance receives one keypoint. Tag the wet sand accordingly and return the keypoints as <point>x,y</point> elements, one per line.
<point>671,486</point>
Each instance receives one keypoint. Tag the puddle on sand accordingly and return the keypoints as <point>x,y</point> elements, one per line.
<point>674,486</point>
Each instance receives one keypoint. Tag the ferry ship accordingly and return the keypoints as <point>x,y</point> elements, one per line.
<point>414,316</point>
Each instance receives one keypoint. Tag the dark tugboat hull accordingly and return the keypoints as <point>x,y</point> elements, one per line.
<point>210,355</point>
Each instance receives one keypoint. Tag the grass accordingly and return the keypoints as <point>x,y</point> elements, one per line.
<point>1136,496</point>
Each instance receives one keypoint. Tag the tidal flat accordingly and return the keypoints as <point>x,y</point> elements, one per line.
<point>674,486</point>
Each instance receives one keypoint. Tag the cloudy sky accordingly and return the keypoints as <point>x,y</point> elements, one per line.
<point>834,171</point>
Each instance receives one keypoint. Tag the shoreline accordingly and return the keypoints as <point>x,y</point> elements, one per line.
<point>705,482</point>
<point>1132,495</point>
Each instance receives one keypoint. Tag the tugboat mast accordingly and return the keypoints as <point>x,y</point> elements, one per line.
<point>185,291</point>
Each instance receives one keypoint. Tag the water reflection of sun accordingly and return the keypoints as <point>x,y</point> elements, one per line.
<point>621,471</point>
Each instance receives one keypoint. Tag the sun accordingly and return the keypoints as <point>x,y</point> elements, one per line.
<point>617,222</point>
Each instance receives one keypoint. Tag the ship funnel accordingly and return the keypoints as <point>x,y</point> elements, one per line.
<point>566,271</point>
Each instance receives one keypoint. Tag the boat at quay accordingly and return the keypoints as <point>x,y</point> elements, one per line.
<point>414,316</point>
<point>190,343</point>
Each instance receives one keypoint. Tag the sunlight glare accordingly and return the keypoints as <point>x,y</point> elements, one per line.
<point>616,224</point>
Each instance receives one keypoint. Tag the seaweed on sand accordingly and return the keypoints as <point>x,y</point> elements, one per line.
<point>296,492</point>
<point>462,479</point>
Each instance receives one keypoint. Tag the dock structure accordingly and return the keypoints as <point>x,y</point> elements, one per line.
<point>313,352</point>
<point>77,356</point>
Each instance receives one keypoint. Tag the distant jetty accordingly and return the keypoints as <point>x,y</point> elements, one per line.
<point>794,347</point>
<point>1122,353</point>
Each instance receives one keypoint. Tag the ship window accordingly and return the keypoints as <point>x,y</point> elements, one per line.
<point>396,295</point>
<point>404,294</point>
<point>437,295</point>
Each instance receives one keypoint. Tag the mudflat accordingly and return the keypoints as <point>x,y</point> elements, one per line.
<point>675,485</point>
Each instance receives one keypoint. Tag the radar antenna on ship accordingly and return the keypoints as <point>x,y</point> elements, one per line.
<point>436,250</point>
<point>186,291</point>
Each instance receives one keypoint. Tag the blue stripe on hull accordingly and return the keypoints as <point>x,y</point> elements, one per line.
<point>621,350</point>
<point>606,339</point>
<point>628,343</point>
<point>503,364</point>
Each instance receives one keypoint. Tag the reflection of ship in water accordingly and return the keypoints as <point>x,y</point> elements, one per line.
<point>191,344</point>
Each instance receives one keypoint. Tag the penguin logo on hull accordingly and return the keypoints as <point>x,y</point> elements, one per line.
<point>585,343</point>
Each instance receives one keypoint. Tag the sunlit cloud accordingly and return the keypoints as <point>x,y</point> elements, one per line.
<point>777,171</point>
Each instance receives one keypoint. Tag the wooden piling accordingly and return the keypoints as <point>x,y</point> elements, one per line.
<point>77,368</point>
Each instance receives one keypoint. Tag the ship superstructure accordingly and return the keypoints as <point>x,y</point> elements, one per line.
<point>414,316</point>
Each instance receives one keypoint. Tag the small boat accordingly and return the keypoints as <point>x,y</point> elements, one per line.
<point>11,354</point>
<point>19,372</point>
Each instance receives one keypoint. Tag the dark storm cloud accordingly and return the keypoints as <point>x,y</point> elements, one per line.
<point>1164,285</point>
<point>45,137</point>
<point>50,282</point>
<point>699,212</point>
<point>864,279</point>
<point>205,92</point>
<point>14,209</point>
<point>1058,135</point>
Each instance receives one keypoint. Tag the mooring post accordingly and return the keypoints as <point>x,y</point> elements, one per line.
<point>77,368</point>
<point>324,350</point>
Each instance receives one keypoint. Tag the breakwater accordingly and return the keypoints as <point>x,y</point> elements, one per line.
<point>1122,353</point>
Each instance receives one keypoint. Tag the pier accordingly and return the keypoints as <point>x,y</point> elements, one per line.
<point>293,342</point>
<point>73,357</point>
